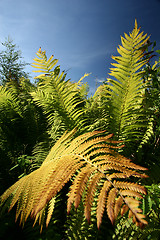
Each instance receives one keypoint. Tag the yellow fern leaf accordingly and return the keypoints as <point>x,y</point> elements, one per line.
<point>133,205</point>
<point>78,187</point>
<point>131,186</point>
<point>86,160</point>
<point>117,206</point>
<point>131,193</point>
<point>91,190</point>
<point>59,176</point>
<point>124,209</point>
<point>101,202</point>
<point>50,210</point>
<point>110,204</point>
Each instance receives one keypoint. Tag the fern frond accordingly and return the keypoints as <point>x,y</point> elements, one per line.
<point>42,63</point>
<point>117,206</point>
<point>110,204</point>
<point>90,194</point>
<point>101,203</point>
<point>9,100</point>
<point>50,210</point>
<point>73,159</point>
<point>148,133</point>
<point>126,90</point>
<point>131,186</point>
<point>59,98</point>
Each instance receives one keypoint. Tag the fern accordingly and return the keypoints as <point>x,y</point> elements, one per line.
<point>77,227</point>
<point>95,109</point>
<point>123,94</point>
<point>95,166</point>
<point>60,100</point>
<point>9,101</point>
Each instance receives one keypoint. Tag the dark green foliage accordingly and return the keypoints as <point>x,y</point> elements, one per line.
<point>78,228</point>
<point>149,152</point>
<point>22,125</point>
<point>151,207</point>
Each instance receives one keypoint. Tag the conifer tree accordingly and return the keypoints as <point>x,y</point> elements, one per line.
<point>11,65</point>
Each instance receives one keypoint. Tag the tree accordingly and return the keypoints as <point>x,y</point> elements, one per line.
<point>11,66</point>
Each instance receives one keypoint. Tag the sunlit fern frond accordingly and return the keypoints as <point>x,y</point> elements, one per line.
<point>95,109</point>
<point>60,99</point>
<point>9,101</point>
<point>42,64</point>
<point>149,132</point>
<point>126,89</point>
<point>95,168</point>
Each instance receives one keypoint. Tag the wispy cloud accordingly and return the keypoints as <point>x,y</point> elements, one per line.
<point>99,80</point>
<point>81,58</point>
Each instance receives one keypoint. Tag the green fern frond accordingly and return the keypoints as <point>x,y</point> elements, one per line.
<point>42,63</point>
<point>60,100</point>
<point>95,109</point>
<point>9,102</point>
<point>149,132</point>
<point>126,90</point>
<point>80,159</point>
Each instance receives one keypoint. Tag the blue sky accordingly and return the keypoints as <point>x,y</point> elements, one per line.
<point>82,34</point>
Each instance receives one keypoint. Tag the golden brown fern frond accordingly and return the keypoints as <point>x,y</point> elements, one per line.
<point>94,167</point>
